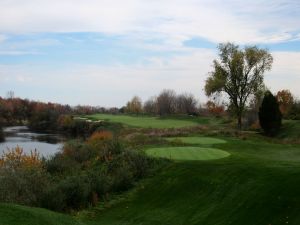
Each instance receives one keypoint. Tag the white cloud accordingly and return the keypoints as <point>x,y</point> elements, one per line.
<point>177,20</point>
<point>285,73</point>
<point>17,52</point>
<point>2,38</point>
<point>114,85</point>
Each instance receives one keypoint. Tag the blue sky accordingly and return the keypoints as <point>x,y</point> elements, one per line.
<point>104,52</point>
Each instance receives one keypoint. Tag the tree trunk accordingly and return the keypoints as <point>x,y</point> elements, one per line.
<point>240,122</point>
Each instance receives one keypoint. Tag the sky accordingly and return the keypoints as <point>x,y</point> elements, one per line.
<point>103,52</point>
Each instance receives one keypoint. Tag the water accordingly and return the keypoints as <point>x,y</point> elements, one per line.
<point>45,144</point>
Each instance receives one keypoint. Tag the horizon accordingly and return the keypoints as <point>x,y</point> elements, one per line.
<point>101,53</point>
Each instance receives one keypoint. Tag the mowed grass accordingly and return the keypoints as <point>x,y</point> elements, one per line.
<point>21,215</point>
<point>187,153</point>
<point>150,122</point>
<point>197,140</point>
<point>259,184</point>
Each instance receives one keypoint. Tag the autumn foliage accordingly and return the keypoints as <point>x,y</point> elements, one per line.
<point>17,158</point>
<point>100,136</point>
<point>215,109</point>
<point>285,100</point>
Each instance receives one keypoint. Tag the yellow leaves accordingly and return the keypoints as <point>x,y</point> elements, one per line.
<point>17,158</point>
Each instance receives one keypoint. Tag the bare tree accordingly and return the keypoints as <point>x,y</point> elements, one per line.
<point>150,106</point>
<point>166,102</point>
<point>186,104</point>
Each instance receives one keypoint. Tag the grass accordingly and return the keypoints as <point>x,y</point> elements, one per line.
<point>259,184</point>
<point>290,129</point>
<point>153,122</point>
<point>197,140</point>
<point>21,215</point>
<point>187,153</point>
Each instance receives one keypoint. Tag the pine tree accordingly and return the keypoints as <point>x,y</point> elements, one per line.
<point>270,117</point>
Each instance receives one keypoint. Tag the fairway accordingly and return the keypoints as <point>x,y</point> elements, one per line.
<point>197,140</point>
<point>187,153</point>
<point>145,121</point>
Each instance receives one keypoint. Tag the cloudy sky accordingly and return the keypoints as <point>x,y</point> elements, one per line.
<point>102,52</point>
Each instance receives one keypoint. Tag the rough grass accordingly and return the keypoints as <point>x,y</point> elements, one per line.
<point>290,129</point>
<point>197,140</point>
<point>20,215</point>
<point>152,122</point>
<point>187,153</point>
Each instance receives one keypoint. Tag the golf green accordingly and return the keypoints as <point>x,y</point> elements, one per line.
<point>187,153</point>
<point>197,140</point>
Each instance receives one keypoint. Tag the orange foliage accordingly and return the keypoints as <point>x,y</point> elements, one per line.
<point>285,100</point>
<point>213,108</point>
<point>100,136</point>
<point>16,158</point>
<point>101,140</point>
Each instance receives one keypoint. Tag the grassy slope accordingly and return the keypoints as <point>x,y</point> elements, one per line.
<point>258,184</point>
<point>153,122</point>
<point>21,215</point>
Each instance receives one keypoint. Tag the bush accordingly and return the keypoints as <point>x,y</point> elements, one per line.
<point>294,113</point>
<point>73,192</point>
<point>78,176</point>
<point>270,117</point>
<point>22,177</point>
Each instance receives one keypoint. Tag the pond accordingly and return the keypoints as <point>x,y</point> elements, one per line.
<point>45,144</point>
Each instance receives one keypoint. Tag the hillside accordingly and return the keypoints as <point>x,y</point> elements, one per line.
<point>258,182</point>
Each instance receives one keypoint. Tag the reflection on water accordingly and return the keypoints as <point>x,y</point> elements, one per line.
<point>46,144</point>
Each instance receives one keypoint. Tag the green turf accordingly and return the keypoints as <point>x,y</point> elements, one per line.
<point>21,215</point>
<point>259,184</point>
<point>187,153</point>
<point>197,140</point>
<point>150,122</point>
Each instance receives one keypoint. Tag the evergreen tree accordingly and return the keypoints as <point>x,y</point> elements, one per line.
<point>270,117</point>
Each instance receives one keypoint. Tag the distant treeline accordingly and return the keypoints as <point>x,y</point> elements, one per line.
<point>49,116</point>
<point>168,102</point>
<point>57,117</point>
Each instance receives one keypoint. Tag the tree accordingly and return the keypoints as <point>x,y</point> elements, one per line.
<point>135,105</point>
<point>150,106</point>
<point>270,117</point>
<point>285,100</point>
<point>215,109</point>
<point>295,110</point>
<point>239,74</point>
<point>166,102</point>
<point>186,104</point>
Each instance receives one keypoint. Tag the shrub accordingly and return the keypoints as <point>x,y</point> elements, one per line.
<point>22,177</point>
<point>100,136</point>
<point>270,117</point>
<point>60,164</point>
<point>16,158</point>
<point>73,192</point>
